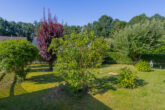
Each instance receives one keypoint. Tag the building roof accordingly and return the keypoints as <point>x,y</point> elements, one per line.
<point>7,38</point>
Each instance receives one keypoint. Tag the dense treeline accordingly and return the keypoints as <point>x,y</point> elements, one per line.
<point>106,26</point>
<point>20,29</point>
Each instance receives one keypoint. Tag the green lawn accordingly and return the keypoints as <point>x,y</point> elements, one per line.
<point>41,92</point>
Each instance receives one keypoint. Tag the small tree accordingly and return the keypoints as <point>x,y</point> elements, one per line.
<point>77,55</point>
<point>15,57</point>
<point>139,38</point>
<point>50,29</point>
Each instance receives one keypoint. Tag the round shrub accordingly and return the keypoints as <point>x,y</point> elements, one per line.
<point>16,55</point>
<point>143,66</point>
<point>127,78</point>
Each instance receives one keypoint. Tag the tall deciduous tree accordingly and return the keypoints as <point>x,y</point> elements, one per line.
<point>117,26</point>
<point>138,19</point>
<point>50,29</point>
<point>102,26</point>
<point>139,39</point>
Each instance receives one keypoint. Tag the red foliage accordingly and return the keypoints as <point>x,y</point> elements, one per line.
<point>50,29</point>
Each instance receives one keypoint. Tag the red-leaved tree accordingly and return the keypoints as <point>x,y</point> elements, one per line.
<point>49,29</point>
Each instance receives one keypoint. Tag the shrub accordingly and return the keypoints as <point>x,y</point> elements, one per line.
<point>143,66</point>
<point>127,78</point>
<point>78,55</point>
<point>15,57</point>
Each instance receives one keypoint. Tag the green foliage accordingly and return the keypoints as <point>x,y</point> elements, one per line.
<point>158,17</point>
<point>77,55</point>
<point>102,26</point>
<point>138,19</point>
<point>68,29</point>
<point>16,55</point>
<point>138,39</point>
<point>117,26</point>
<point>143,66</point>
<point>19,29</point>
<point>160,50</point>
<point>127,78</point>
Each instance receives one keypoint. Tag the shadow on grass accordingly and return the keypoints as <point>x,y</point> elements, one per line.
<point>104,84</point>
<point>140,83</point>
<point>43,100</point>
<point>111,83</point>
<point>39,66</point>
<point>44,79</point>
<point>41,70</point>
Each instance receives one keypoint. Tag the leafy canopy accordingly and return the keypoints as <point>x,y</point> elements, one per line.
<point>48,30</point>
<point>139,38</point>
<point>77,55</point>
<point>16,55</point>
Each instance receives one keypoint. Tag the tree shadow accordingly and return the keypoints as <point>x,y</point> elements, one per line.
<point>104,84</point>
<point>39,66</point>
<point>40,70</point>
<point>44,79</point>
<point>106,65</point>
<point>111,83</point>
<point>43,100</point>
<point>140,83</point>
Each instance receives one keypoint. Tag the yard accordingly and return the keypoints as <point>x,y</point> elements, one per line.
<point>41,92</point>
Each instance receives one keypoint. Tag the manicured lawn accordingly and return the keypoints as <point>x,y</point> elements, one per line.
<point>40,92</point>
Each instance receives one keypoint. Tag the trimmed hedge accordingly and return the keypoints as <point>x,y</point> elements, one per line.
<point>156,58</point>
<point>117,58</point>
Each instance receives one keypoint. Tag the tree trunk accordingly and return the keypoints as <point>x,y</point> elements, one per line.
<point>1,77</point>
<point>13,85</point>
<point>134,57</point>
<point>51,66</point>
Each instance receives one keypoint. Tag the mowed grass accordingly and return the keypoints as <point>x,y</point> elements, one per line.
<point>39,92</point>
